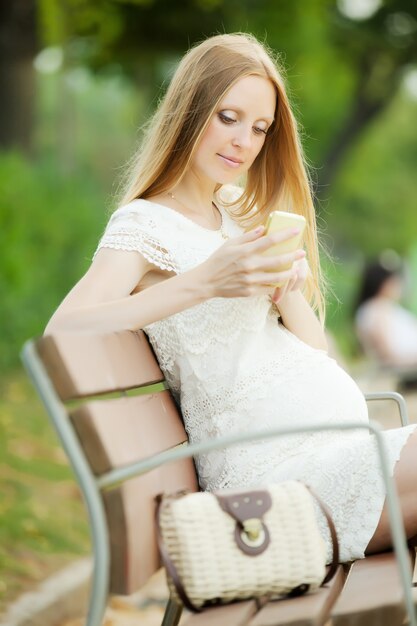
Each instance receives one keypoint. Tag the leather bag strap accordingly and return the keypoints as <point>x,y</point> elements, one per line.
<point>166,559</point>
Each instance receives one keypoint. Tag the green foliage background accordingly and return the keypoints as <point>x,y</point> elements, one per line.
<point>54,208</point>
<point>47,233</point>
<point>43,519</point>
<point>374,201</point>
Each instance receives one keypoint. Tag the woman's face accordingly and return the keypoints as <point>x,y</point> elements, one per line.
<point>237,130</point>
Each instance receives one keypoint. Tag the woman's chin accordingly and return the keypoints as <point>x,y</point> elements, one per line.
<point>226,178</point>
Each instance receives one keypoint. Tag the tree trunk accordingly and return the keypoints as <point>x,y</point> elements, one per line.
<point>17,75</point>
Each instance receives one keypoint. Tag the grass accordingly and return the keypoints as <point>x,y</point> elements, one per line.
<point>43,523</point>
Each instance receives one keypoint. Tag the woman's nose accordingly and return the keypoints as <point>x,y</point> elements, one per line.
<point>243,138</point>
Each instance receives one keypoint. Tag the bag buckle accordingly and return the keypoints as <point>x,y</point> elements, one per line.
<point>247,508</point>
<point>252,528</point>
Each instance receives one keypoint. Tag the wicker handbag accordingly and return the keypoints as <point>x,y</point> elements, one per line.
<point>225,546</point>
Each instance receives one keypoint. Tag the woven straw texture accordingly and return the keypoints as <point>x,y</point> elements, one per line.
<point>199,537</point>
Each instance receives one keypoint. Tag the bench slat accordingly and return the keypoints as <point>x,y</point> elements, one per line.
<point>83,365</point>
<point>309,610</point>
<point>372,595</point>
<point>130,512</point>
<point>237,614</point>
<point>119,431</point>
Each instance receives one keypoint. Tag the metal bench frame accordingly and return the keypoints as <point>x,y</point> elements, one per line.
<point>92,486</point>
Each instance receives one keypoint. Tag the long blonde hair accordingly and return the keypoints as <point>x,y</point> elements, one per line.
<point>277,180</point>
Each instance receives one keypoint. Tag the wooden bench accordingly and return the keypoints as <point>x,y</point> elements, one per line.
<point>116,419</point>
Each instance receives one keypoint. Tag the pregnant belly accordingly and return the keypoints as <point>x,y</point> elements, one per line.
<point>325,393</point>
<point>320,395</point>
<point>311,395</point>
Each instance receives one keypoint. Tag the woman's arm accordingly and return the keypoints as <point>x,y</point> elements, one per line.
<point>102,300</point>
<point>297,315</point>
<point>299,318</point>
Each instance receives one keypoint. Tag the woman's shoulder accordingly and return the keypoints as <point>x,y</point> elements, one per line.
<point>138,226</point>
<point>134,208</point>
<point>143,215</point>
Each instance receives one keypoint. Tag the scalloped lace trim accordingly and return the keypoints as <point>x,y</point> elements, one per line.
<point>137,241</point>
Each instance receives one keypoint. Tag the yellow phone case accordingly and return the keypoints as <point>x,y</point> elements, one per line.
<point>281,220</point>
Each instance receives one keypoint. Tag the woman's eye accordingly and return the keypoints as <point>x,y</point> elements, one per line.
<point>226,119</point>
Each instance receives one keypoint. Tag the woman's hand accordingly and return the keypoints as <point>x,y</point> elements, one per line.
<point>239,269</point>
<point>301,271</point>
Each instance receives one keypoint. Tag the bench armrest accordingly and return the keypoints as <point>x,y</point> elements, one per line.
<point>396,397</point>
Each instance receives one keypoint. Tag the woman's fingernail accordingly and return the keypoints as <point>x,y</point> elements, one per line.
<point>260,229</point>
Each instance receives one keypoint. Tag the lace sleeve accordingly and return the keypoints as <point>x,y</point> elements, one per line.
<point>134,227</point>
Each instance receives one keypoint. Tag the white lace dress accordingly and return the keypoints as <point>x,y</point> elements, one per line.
<point>232,367</point>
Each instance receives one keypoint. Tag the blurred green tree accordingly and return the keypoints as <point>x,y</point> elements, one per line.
<point>355,65</point>
<point>378,51</point>
<point>364,59</point>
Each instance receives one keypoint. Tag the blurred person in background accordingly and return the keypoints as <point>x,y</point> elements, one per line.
<point>386,330</point>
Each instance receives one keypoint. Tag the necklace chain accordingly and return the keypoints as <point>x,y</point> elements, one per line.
<point>222,232</point>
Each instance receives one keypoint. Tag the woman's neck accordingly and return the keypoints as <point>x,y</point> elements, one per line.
<point>195,193</point>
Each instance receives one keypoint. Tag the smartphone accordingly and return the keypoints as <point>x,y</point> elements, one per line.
<point>281,220</point>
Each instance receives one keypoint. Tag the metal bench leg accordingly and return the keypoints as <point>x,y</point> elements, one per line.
<point>100,578</point>
<point>173,613</point>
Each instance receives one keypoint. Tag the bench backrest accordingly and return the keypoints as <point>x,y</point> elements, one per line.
<point>118,430</point>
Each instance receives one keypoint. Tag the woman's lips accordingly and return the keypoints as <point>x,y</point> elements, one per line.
<point>230,162</point>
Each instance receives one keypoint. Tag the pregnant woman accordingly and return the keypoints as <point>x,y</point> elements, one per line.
<point>182,258</point>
